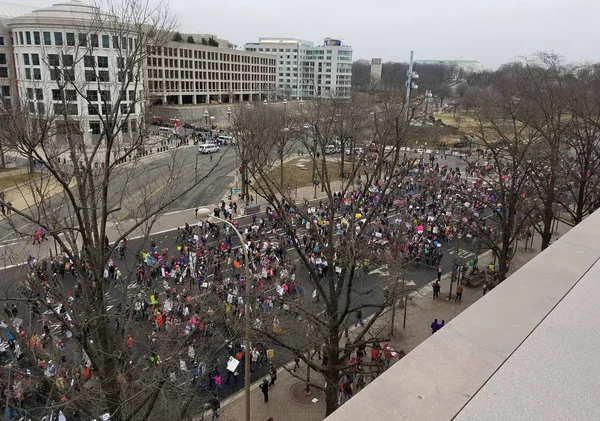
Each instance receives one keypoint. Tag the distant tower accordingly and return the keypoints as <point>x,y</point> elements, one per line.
<point>375,69</point>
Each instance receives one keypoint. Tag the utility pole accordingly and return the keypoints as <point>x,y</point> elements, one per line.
<point>410,75</point>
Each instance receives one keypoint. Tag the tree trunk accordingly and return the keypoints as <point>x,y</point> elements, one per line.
<point>342,160</point>
<point>2,157</point>
<point>579,209</point>
<point>331,396</point>
<point>547,227</point>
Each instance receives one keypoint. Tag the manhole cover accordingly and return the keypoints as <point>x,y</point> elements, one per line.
<point>298,393</point>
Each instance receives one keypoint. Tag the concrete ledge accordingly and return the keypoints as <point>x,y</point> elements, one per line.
<point>488,363</point>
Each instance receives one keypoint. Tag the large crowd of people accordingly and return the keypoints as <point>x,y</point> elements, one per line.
<point>197,289</point>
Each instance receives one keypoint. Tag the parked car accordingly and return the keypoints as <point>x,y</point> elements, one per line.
<point>355,151</point>
<point>331,149</point>
<point>225,140</point>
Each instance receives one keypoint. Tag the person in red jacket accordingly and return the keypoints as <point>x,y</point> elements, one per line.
<point>36,237</point>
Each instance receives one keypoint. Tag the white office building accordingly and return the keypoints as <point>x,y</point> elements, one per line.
<point>69,61</point>
<point>305,70</point>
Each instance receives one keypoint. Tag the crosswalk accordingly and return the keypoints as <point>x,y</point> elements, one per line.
<point>462,253</point>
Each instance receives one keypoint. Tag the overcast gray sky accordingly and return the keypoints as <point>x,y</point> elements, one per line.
<point>490,31</point>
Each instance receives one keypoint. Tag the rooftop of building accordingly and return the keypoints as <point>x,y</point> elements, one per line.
<point>12,10</point>
<point>528,350</point>
<point>68,11</point>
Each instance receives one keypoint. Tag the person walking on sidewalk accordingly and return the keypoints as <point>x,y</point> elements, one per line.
<point>440,269</point>
<point>435,326</point>
<point>264,387</point>
<point>215,405</point>
<point>36,237</point>
<point>273,374</point>
<point>459,292</point>
<point>358,318</point>
<point>436,289</point>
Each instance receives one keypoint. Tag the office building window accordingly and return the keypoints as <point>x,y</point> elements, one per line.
<point>103,62</point>
<point>35,59</point>
<point>105,43</point>
<point>95,127</point>
<point>47,38</point>
<point>56,96</point>
<point>70,95</point>
<point>70,39</point>
<point>94,40</point>
<point>26,59</point>
<point>36,38</point>
<point>29,93</point>
<point>82,39</point>
<point>2,58</point>
<point>41,108</point>
<point>37,74</point>
<point>67,60</point>
<point>1,40</point>
<point>5,90</point>
<point>53,60</point>
<point>3,71</point>
<point>58,39</point>
<point>92,96</point>
<point>28,73</point>
<point>90,76</point>
<point>92,109</point>
<point>39,94</point>
<point>103,76</point>
<point>72,109</point>
<point>89,61</point>
<point>105,96</point>
<point>28,37</point>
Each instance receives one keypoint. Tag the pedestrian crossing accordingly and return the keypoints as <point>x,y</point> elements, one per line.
<point>462,253</point>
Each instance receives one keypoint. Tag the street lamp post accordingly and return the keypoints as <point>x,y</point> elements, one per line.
<point>205,213</point>
<point>428,96</point>
<point>229,113</point>
<point>265,102</point>
<point>205,114</point>
<point>212,120</point>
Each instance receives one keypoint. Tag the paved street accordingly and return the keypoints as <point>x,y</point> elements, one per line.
<point>135,183</point>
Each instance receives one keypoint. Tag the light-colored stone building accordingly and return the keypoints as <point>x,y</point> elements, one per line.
<point>308,71</point>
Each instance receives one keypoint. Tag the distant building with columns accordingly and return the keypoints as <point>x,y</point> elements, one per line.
<point>184,73</point>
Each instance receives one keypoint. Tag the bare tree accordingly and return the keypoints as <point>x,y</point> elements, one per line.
<point>99,185</point>
<point>580,154</point>
<point>544,83</point>
<point>504,126</point>
<point>334,300</point>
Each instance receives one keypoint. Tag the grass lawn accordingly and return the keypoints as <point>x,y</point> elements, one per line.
<point>298,172</point>
<point>12,178</point>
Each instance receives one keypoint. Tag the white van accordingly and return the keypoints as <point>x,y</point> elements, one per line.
<point>207,148</point>
<point>225,140</point>
<point>165,130</point>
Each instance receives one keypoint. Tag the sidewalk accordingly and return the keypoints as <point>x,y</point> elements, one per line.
<point>420,312</point>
